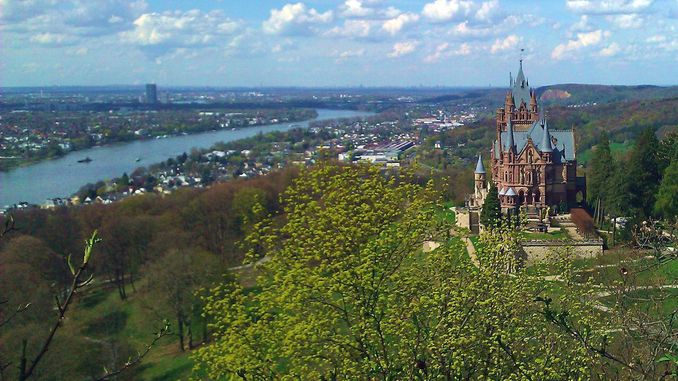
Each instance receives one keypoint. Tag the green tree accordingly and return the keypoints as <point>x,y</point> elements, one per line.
<point>643,174</point>
<point>667,197</point>
<point>490,216</point>
<point>599,171</point>
<point>123,182</point>
<point>347,294</point>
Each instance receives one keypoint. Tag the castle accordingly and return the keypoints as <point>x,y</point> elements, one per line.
<point>533,167</point>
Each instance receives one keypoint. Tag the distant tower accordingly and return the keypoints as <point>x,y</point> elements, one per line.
<point>480,180</point>
<point>151,93</point>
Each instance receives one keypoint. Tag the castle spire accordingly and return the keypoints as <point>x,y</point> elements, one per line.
<point>480,168</point>
<point>545,145</point>
<point>520,78</point>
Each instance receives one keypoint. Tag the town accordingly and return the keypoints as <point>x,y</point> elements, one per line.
<point>387,140</point>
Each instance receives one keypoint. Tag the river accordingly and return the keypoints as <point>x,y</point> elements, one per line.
<point>64,176</point>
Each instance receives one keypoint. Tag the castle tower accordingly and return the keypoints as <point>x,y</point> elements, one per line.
<point>480,180</point>
<point>479,174</point>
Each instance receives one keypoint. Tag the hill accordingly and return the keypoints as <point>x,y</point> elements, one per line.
<point>581,94</point>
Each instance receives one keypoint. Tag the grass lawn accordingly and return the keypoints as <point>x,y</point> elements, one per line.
<point>445,214</point>
<point>643,272</point>
<point>551,236</point>
<point>655,301</point>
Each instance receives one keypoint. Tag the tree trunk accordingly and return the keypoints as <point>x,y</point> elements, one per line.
<point>204,330</point>
<point>120,281</point>
<point>131,281</point>
<point>614,229</point>
<point>180,331</point>
<point>190,334</point>
<point>22,361</point>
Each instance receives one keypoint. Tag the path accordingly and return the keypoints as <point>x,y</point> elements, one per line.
<point>250,265</point>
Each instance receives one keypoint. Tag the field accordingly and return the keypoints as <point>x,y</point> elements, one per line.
<point>615,148</point>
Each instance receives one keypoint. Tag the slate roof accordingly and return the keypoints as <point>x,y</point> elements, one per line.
<point>520,88</point>
<point>480,168</point>
<point>562,141</point>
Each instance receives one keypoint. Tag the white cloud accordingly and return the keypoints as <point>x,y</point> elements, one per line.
<point>582,25</point>
<point>403,48</point>
<point>487,10</point>
<point>464,30</point>
<point>294,19</point>
<point>583,40</point>
<point>464,50</point>
<point>351,28</point>
<point>628,21</point>
<point>438,53</point>
<point>159,33</point>
<point>445,50</point>
<point>355,8</point>
<point>52,39</point>
<point>395,25</point>
<point>608,6</point>
<point>507,43</point>
<point>610,51</point>
<point>446,10</point>
<point>346,54</point>
<point>655,39</point>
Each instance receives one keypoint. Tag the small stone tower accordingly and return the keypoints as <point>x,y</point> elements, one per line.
<point>480,182</point>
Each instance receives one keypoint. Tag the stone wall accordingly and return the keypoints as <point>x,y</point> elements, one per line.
<point>468,218</point>
<point>539,250</point>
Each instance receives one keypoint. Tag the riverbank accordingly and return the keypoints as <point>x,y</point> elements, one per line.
<point>64,176</point>
<point>56,147</point>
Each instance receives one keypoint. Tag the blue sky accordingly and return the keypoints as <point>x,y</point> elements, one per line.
<point>336,43</point>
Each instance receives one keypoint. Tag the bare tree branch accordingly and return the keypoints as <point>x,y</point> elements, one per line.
<point>164,331</point>
<point>76,284</point>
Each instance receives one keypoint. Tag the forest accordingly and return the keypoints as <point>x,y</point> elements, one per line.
<point>316,273</point>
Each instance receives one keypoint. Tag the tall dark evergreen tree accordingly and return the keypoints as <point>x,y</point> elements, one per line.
<point>667,197</point>
<point>668,151</point>
<point>599,171</point>
<point>490,216</point>
<point>643,174</point>
<point>618,198</point>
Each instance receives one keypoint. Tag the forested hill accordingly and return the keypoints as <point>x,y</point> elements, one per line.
<point>573,95</point>
<point>581,94</point>
<point>623,121</point>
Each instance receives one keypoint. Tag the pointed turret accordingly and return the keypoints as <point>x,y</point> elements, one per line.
<point>480,168</point>
<point>509,104</point>
<point>520,78</point>
<point>546,145</point>
<point>510,145</point>
<point>520,90</point>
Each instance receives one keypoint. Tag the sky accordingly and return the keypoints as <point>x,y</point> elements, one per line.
<point>324,43</point>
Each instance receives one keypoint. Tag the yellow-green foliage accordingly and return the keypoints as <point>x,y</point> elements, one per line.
<point>347,294</point>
